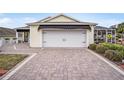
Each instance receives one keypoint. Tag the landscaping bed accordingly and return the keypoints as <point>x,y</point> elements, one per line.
<point>8,61</point>
<point>113,52</point>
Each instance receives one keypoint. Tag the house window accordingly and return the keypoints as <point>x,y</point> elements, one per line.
<point>109,32</point>
<point>14,38</point>
<point>113,32</point>
<point>99,32</point>
<point>7,38</point>
<point>44,32</point>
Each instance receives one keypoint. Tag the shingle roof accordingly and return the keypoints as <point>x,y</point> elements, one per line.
<point>7,32</point>
<point>25,27</point>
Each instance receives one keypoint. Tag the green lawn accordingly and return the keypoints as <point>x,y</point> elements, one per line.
<point>8,61</point>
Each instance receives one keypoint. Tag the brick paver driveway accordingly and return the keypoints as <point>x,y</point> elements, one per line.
<point>63,64</point>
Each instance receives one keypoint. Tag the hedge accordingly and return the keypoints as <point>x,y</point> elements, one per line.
<point>113,52</point>
<point>113,46</point>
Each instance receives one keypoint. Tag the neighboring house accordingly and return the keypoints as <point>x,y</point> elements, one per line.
<point>7,35</point>
<point>101,34</point>
<point>57,31</point>
<point>120,36</point>
<point>114,26</point>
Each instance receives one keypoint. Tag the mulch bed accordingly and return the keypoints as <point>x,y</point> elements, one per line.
<point>2,71</point>
<point>8,61</point>
<point>122,65</point>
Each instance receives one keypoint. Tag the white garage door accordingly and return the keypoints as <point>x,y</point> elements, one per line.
<point>64,38</point>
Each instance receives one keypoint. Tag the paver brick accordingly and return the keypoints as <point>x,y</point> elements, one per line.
<point>64,64</point>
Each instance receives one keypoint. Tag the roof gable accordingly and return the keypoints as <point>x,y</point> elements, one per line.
<point>60,19</point>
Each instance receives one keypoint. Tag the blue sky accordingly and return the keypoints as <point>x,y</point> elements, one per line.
<point>13,20</point>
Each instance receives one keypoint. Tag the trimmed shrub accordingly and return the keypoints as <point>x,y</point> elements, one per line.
<point>101,49</point>
<point>121,54</point>
<point>92,46</point>
<point>109,54</point>
<point>113,55</point>
<point>113,46</point>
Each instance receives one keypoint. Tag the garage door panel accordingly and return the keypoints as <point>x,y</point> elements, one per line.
<point>64,39</point>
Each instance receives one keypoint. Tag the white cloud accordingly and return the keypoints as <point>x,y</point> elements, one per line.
<point>15,22</point>
<point>29,19</point>
<point>5,21</point>
<point>108,22</point>
<point>100,20</point>
<point>104,22</point>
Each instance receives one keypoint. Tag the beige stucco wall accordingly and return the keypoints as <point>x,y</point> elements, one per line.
<point>35,37</point>
<point>90,36</point>
<point>61,19</point>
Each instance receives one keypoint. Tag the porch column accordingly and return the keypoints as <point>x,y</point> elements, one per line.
<point>17,37</point>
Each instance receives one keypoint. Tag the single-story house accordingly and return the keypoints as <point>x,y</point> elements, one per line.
<point>7,35</point>
<point>60,31</point>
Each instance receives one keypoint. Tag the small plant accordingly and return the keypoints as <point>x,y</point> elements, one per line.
<point>109,36</point>
<point>92,46</point>
<point>122,54</point>
<point>113,55</point>
<point>101,49</point>
<point>109,54</point>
